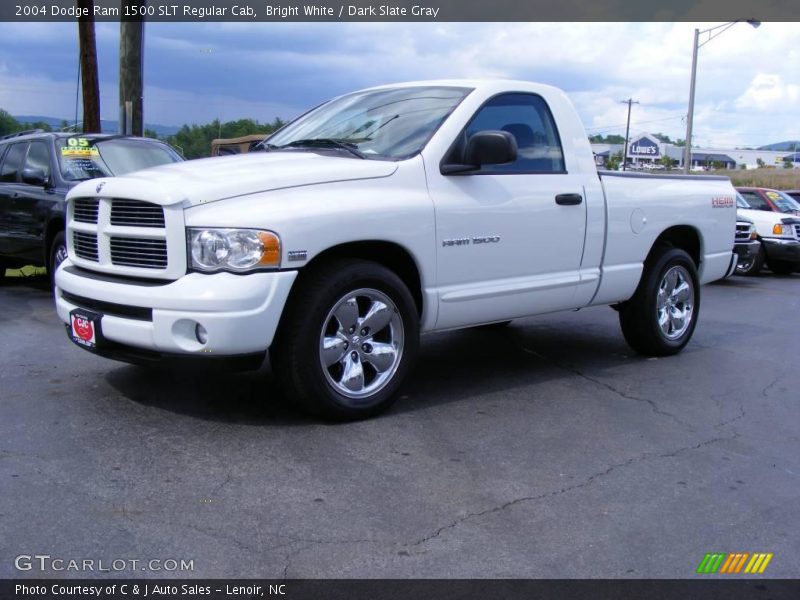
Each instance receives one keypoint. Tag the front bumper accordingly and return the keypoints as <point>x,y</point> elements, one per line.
<point>155,319</point>
<point>780,249</point>
<point>746,250</point>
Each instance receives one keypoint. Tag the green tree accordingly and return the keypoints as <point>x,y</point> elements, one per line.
<point>667,161</point>
<point>760,163</point>
<point>787,164</point>
<point>663,138</point>
<point>717,165</point>
<point>195,140</point>
<point>614,161</point>
<point>609,139</point>
<point>8,124</point>
<point>150,133</point>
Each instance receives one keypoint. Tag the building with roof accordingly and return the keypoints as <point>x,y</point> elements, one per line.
<point>647,151</point>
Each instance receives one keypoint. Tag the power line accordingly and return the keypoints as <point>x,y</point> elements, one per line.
<point>612,127</point>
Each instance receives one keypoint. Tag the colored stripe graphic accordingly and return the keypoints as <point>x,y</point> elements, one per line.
<point>733,562</point>
<point>710,563</point>
<point>759,562</point>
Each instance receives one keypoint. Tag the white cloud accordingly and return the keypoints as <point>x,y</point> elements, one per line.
<point>768,92</point>
<point>748,83</point>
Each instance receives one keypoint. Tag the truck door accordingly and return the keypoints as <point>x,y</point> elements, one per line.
<point>10,172</point>
<point>34,201</point>
<point>510,237</point>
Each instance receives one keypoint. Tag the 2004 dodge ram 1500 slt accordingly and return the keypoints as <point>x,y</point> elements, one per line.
<point>375,217</point>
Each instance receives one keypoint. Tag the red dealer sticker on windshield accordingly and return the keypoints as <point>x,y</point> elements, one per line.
<point>722,202</point>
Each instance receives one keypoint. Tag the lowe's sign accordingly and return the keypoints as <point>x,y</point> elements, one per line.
<point>644,147</point>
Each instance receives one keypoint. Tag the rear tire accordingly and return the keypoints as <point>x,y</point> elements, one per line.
<point>782,267</point>
<point>57,255</point>
<point>347,340</point>
<point>660,318</point>
<point>753,266</point>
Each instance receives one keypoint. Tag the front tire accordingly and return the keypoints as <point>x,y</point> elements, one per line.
<point>782,267</point>
<point>57,255</point>
<point>660,318</point>
<point>347,340</point>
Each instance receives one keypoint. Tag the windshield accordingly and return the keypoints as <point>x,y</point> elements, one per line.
<point>388,124</point>
<point>783,202</point>
<point>83,158</point>
<point>741,202</point>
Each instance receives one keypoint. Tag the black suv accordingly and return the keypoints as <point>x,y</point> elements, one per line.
<point>38,168</point>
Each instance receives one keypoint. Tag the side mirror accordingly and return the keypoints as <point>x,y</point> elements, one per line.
<point>485,148</point>
<point>491,148</point>
<point>34,176</point>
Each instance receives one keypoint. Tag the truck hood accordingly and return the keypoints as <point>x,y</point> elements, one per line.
<point>206,180</point>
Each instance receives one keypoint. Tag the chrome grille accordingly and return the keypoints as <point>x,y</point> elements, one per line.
<point>797,229</point>
<point>85,245</point>
<point>135,213</point>
<point>145,240</point>
<point>85,210</point>
<point>138,252</point>
<point>742,232</point>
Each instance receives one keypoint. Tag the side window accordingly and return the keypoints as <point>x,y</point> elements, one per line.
<point>528,119</point>
<point>12,163</point>
<point>38,157</point>
<point>755,201</point>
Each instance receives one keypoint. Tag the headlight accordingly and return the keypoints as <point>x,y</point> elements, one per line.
<point>235,250</point>
<point>779,229</point>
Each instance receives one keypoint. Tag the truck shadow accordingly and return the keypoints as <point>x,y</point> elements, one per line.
<point>451,367</point>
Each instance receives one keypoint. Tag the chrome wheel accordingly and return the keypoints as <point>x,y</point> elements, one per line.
<point>744,266</point>
<point>361,343</point>
<point>675,302</point>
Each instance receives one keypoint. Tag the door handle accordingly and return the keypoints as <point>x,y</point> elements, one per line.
<point>569,199</point>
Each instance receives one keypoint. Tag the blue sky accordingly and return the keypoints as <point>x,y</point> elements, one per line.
<point>748,90</point>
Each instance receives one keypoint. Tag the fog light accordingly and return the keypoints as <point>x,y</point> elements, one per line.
<point>200,333</point>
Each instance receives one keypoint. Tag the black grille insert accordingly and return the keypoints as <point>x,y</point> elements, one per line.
<point>135,213</point>
<point>85,245</point>
<point>85,210</point>
<point>110,308</point>
<point>137,252</point>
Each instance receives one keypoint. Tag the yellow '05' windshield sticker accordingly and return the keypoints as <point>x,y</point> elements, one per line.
<point>79,147</point>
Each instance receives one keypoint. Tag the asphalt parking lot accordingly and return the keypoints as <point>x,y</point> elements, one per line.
<point>543,450</point>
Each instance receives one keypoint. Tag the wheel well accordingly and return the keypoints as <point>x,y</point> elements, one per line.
<point>53,227</point>
<point>390,255</point>
<point>684,237</point>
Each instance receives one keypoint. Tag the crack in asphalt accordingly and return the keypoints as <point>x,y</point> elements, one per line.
<point>768,387</point>
<point>591,479</point>
<point>653,406</point>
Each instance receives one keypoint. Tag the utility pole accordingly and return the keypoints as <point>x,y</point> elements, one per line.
<point>131,67</point>
<point>629,101</point>
<point>687,150</point>
<point>88,53</point>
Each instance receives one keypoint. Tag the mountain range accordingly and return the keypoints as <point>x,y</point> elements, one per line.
<point>791,146</point>
<point>105,126</point>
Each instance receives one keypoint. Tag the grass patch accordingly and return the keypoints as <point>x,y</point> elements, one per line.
<point>777,179</point>
<point>26,272</point>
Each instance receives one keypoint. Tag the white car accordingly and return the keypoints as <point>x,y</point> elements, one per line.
<point>379,216</point>
<point>776,218</point>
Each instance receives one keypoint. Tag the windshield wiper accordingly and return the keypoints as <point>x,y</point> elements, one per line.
<point>326,143</point>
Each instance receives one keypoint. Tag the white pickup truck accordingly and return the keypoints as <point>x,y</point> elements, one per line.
<point>376,217</point>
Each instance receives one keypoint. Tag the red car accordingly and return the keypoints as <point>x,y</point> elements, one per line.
<point>769,200</point>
